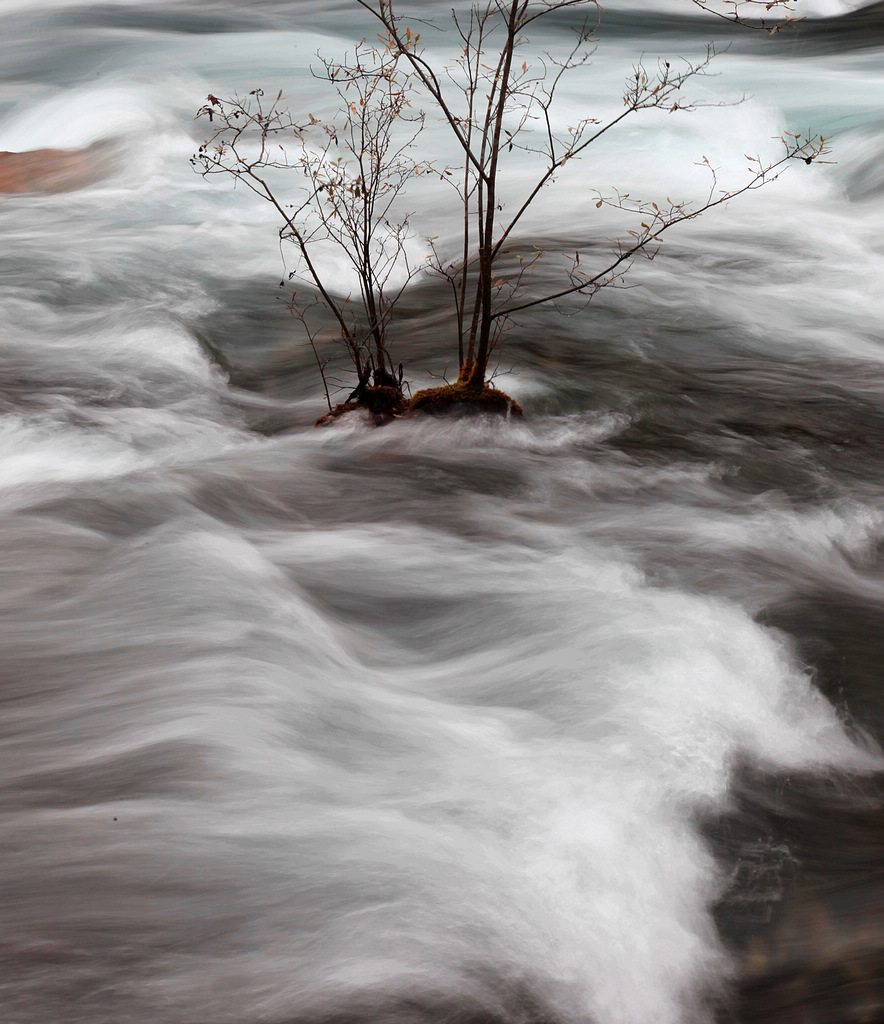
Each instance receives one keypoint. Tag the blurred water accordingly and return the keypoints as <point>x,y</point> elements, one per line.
<point>576,719</point>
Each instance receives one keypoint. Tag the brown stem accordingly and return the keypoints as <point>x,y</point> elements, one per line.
<point>486,251</point>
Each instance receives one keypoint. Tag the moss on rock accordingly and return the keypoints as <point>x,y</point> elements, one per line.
<point>464,399</point>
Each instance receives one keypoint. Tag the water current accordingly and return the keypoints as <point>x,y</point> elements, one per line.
<point>572,719</point>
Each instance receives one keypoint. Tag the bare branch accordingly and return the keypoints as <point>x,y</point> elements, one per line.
<point>660,220</point>
<point>739,11</point>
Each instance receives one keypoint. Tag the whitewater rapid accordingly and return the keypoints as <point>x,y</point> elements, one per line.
<point>428,722</point>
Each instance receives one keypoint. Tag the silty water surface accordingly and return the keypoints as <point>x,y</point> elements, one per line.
<point>573,719</point>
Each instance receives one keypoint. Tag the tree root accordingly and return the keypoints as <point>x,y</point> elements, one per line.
<point>381,404</point>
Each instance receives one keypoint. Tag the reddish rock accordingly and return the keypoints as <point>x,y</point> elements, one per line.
<point>53,170</point>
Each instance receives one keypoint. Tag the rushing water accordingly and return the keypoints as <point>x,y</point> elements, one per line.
<point>574,719</point>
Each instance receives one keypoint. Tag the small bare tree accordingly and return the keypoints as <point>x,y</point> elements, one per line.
<point>493,101</point>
